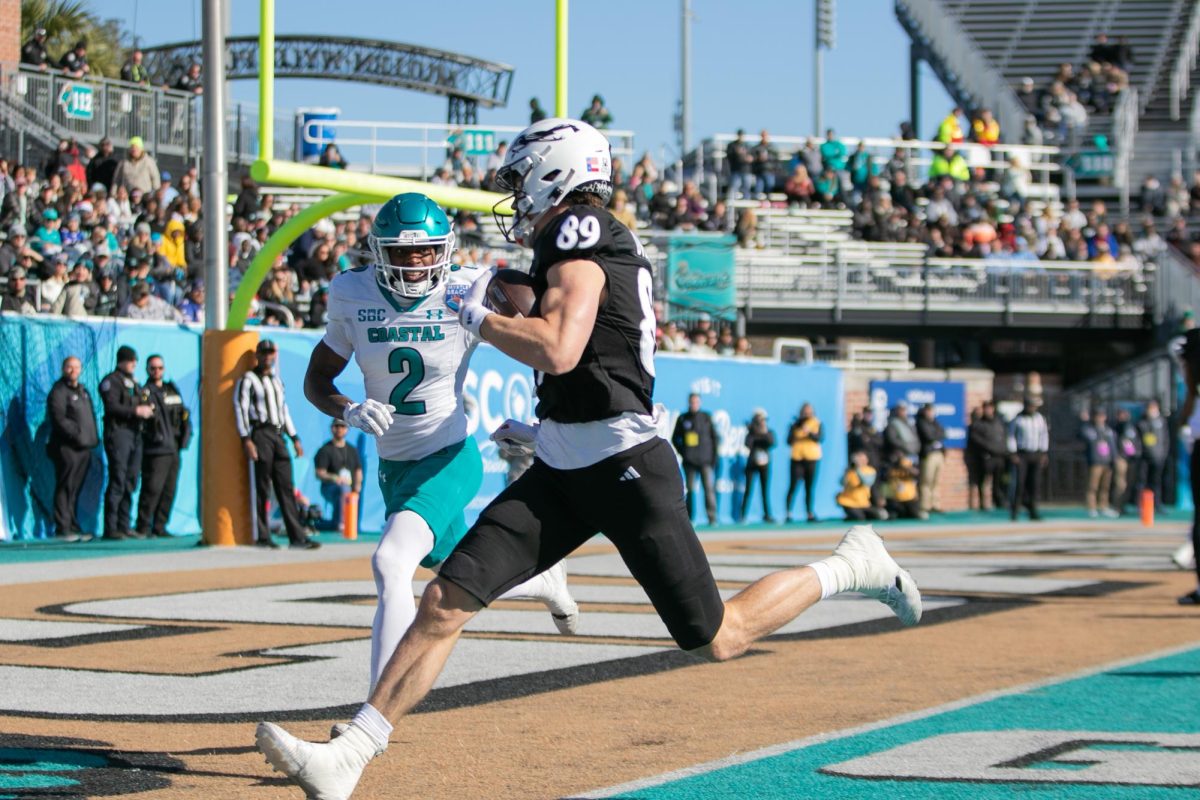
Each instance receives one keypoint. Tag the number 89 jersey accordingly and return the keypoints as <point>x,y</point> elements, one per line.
<point>414,358</point>
<point>615,374</point>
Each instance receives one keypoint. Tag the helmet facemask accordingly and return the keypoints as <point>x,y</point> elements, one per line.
<point>545,163</point>
<point>404,275</point>
<point>511,178</point>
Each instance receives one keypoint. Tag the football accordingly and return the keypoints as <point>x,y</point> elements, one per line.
<point>510,293</point>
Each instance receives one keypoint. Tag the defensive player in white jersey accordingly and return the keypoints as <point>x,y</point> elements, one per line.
<point>393,319</point>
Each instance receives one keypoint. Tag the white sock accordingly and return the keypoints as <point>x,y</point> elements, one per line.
<point>541,587</point>
<point>825,576</point>
<point>536,588</point>
<point>406,540</point>
<point>373,724</point>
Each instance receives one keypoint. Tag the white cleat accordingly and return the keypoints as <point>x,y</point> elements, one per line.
<point>323,771</point>
<point>877,575</point>
<point>563,607</point>
<point>1184,557</point>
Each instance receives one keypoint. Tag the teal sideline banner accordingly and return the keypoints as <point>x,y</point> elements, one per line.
<point>496,387</point>
<point>700,276</point>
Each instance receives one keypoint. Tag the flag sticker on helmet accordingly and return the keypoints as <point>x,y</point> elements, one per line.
<point>593,164</point>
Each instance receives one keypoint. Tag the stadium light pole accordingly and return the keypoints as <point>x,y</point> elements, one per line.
<point>685,76</point>
<point>216,179</point>
<point>823,41</point>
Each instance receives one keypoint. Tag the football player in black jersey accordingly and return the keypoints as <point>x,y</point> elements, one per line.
<point>600,467</point>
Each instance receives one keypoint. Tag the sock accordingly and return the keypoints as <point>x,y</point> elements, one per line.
<point>406,540</point>
<point>542,587</point>
<point>536,588</point>
<point>825,576</point>
<point>373,724</point>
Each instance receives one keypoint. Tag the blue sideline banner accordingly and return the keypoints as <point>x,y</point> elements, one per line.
<point>949,399</point>
<point>730,389</point>
<point>496,388</point>
<point>32,350</point>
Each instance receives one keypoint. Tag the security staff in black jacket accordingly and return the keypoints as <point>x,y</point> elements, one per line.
<point>124,413</point>
<point>73,436</point>
<point>164,435</point>
<point>34,51</point>
<point>696,442</point>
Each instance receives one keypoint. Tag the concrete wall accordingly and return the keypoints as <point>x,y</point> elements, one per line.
<point>953,489</point>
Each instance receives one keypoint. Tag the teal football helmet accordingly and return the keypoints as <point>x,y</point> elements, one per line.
<point>405,230</point>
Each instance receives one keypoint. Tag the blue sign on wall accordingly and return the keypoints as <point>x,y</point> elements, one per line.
<point>730,389</point>
<point>496,388</point>
<point>949,399</point>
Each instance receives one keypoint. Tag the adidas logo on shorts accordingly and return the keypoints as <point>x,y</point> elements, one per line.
<point>630,474</point>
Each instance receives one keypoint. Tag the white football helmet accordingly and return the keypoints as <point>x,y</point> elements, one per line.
<point>546,162</point>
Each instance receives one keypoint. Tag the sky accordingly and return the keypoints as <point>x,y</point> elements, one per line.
<point>752,60</point>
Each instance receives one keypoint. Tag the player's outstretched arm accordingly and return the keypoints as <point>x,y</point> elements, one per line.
<point>323,368</point>
<point>553,341</point>
<point>369,416</point>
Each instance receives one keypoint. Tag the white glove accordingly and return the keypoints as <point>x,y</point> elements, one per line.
<point>472,311</point>
<point>515,438</point>
<point>370,416</point>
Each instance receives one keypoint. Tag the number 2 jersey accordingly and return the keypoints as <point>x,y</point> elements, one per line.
<point>414,358</point>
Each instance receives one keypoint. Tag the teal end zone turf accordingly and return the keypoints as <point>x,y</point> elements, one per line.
<point>37,771</point>
<point>1160,696</point>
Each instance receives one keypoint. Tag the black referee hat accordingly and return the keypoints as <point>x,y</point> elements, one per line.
<point>266,346</point>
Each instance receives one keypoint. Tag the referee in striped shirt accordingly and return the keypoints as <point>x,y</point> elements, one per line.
<point>1029,450</point>
<point>262,419</point>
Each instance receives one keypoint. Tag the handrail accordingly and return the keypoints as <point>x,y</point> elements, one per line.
<point>91,108</point>
<point>965,60</point>
<point>429,137</point>
<point>110,83</point>
<point>1125,128</point>
<point>1181,76</point>
<point>281,309</point>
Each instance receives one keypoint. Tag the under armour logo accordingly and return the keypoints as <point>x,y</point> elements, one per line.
<point>630,474</point>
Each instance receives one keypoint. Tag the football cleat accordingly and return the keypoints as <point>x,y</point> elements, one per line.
<point>876,574</point>
<point>563,607</point>
<point>323,771</point>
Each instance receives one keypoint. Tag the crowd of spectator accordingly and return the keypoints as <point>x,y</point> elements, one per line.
<point>698,336</point>
<point>958,211</point>
<point>73,63</point>
<point>1061,106</point>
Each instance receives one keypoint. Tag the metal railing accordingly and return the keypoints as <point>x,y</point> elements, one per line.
<point>1125,127</point>
<point>861,279</point>
<point>1181,76</point>
<point>419,149</point>
<point>1038,159</point>
<point>241,133</point>
<point>1176,287</point>
<point>964,60</point>
<point>866,356</point>
<point>92,108</point>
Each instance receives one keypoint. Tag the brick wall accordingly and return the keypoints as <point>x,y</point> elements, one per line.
<point>10,31</point>
<point>952,490</point>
